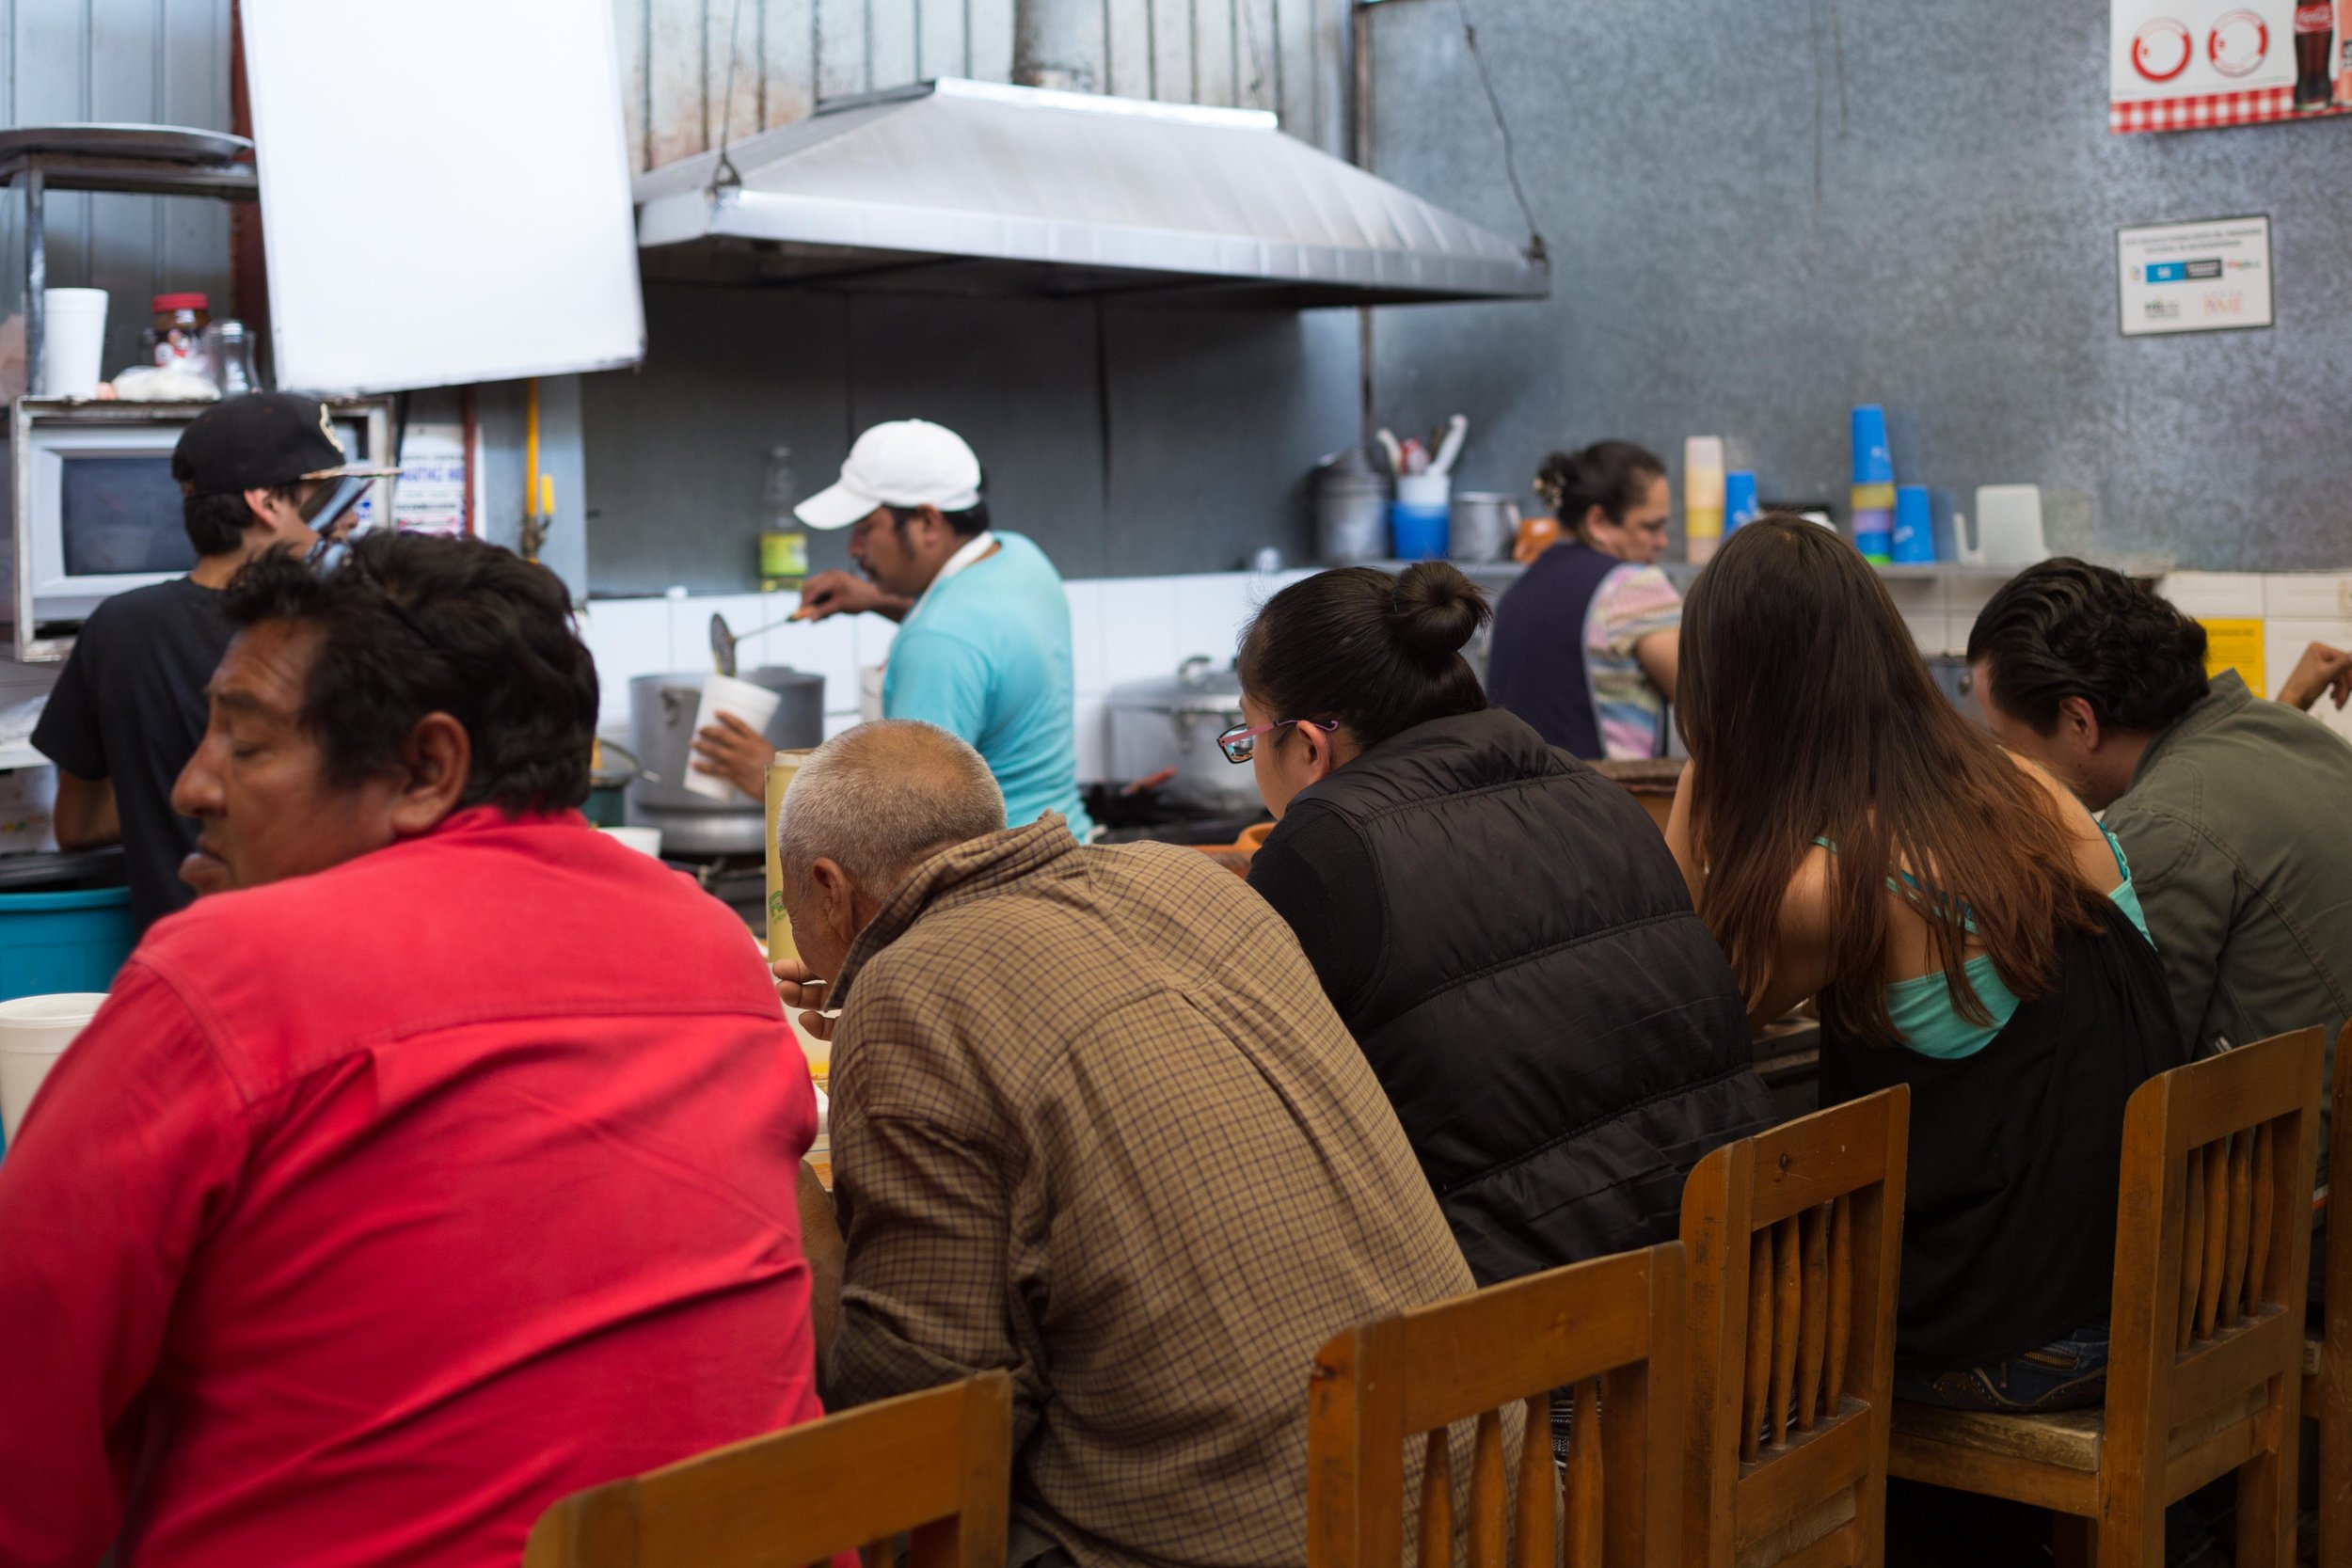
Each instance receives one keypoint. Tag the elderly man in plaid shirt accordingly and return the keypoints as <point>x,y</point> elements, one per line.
<point>1094,1123</point>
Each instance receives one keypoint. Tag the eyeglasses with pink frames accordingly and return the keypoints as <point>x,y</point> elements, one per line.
<point>1240,741</point>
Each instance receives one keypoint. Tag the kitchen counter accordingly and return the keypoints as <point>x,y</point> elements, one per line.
<point>1650,781</point>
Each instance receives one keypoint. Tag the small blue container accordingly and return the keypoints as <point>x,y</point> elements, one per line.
<point>1419,532</point>
<point>1873,460</point>
<point>1739,504</point>
<point>56,941</point>
<point>1914,527</point>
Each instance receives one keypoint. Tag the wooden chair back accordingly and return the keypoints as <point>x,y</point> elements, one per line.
<point>2328,1382</point>
<point>937,1465</point>
<point>1609,1330</point>
<point>2212,1253</point>
<point>1792,1243</point>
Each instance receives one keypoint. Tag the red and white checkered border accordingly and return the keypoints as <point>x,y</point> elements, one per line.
<point>2260,108</point>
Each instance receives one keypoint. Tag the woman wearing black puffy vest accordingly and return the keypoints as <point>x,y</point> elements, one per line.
<point>1502,930</point>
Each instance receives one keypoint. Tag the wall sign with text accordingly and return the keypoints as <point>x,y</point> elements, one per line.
<point>2184,65</point>
<point>2193,276</point>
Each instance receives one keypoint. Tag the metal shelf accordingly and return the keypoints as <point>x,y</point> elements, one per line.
<point>45,159</point>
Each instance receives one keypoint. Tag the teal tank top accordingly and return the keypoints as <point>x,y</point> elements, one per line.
<point>1921,1007</point>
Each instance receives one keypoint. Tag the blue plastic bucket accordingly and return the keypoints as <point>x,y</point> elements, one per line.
<point>56,942</point>
<point>1419,532</point>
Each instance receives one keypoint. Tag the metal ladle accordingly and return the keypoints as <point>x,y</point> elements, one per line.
<point>723,639</point>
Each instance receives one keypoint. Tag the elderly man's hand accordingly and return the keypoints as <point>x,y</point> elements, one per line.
<point>801,991</point>
<point>734,750</point>
<point>2321,669</point>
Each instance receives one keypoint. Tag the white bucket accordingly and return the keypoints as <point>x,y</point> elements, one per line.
<point>34,1033</point>
<point>1425,490</point>
<point>72,343</point>
<point>755,704</point>
<point>646,839</point>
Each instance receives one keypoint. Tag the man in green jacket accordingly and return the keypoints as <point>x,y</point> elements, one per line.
<point>2231,809</point>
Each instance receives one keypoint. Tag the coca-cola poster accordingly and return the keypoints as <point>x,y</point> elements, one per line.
<point>2186,65</point>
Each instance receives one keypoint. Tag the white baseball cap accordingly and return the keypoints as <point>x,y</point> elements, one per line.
<point>905,463</point>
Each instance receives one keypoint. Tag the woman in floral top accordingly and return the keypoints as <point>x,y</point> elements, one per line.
<point>1585,641</point>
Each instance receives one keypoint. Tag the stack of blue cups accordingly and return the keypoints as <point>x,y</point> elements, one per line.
<point>1739,504</point>
<point>1874,486</point>
<point>1914,527</point>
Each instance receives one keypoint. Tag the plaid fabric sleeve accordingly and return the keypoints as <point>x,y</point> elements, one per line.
<point>926,1222</point>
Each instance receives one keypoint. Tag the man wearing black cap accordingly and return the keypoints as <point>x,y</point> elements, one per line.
<point>258,473</point>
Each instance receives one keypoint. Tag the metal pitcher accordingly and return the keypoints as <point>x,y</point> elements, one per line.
<point>1481,526</point>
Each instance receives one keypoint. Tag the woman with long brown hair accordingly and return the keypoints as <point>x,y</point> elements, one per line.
<point>1966,928</point>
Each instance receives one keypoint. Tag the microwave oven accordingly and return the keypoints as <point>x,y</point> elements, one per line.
<point>94,511</point>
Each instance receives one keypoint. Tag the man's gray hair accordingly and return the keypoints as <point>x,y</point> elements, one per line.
<point>882,797</point>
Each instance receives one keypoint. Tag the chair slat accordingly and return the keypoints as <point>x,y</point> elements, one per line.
<point>1437,1500</point>
<point>2241,1227</point>
<point>1813,1337</point>
<point>2258,1242</point>
<point>1788,1321</point>
<point>1759,1368</point>
<point>1841,1268</point>
<point>1588,1478</point>
<point>1539,1502</point>
<point>2216,1235</point>
<point>2192,1252</point>
<point>1490,1498</point>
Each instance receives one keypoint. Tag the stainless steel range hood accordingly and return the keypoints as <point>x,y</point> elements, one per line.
<point>973,188</point>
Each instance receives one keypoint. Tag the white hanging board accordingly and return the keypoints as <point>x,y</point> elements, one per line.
<point>445,191</point>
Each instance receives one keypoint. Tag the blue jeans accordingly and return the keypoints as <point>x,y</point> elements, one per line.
<point>2065,1375</point>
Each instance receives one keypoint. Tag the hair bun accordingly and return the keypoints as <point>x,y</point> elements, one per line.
<point>1435,609</point>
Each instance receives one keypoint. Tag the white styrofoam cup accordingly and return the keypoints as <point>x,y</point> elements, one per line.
<point>72,343</point>
<point>754,704</point>
<point>34,1033</point>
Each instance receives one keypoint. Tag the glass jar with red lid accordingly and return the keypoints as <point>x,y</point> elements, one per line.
<point>176,337</point>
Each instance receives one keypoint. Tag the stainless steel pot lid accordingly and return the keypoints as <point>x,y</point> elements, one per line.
<point>1201,685</point>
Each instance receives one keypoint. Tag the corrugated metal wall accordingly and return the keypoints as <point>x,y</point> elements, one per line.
<point>157,61</point>
<point>788,55</point>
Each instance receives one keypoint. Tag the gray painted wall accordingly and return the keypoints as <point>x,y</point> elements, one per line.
<point>1762,214</point>
<point>1126,441</point>
<point>157,61</point>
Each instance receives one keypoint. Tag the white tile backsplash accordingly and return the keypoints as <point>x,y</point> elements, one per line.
<point>1210,612</point>
<point>874,635</point>
<point>1931,631</point>
<point>2284,641</point>
<point>2215,595</point>
<point>1086,636</point>
<point>627,638</point>
<point>827,648</point>
<point>2308,596</point>
<point>1139,630</point>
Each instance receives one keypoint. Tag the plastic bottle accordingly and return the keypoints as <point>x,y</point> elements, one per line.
<point>1703,496</point>
<point>782,546</point>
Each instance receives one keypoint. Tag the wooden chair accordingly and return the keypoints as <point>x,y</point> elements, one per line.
<point>1792,1240</point>
<point>937,1464</point>
<point>2212,1247</point>
<point>1611,1329</point>
<point>2327,1355</point>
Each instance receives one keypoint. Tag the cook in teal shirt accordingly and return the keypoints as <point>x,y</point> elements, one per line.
<point>985,655</point>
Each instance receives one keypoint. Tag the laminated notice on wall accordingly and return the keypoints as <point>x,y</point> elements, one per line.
<point>430,494</point>
<point>2235,645</point>
<point>2210,277</point>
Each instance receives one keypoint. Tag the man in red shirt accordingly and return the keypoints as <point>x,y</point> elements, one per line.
<point>438,1165</point>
